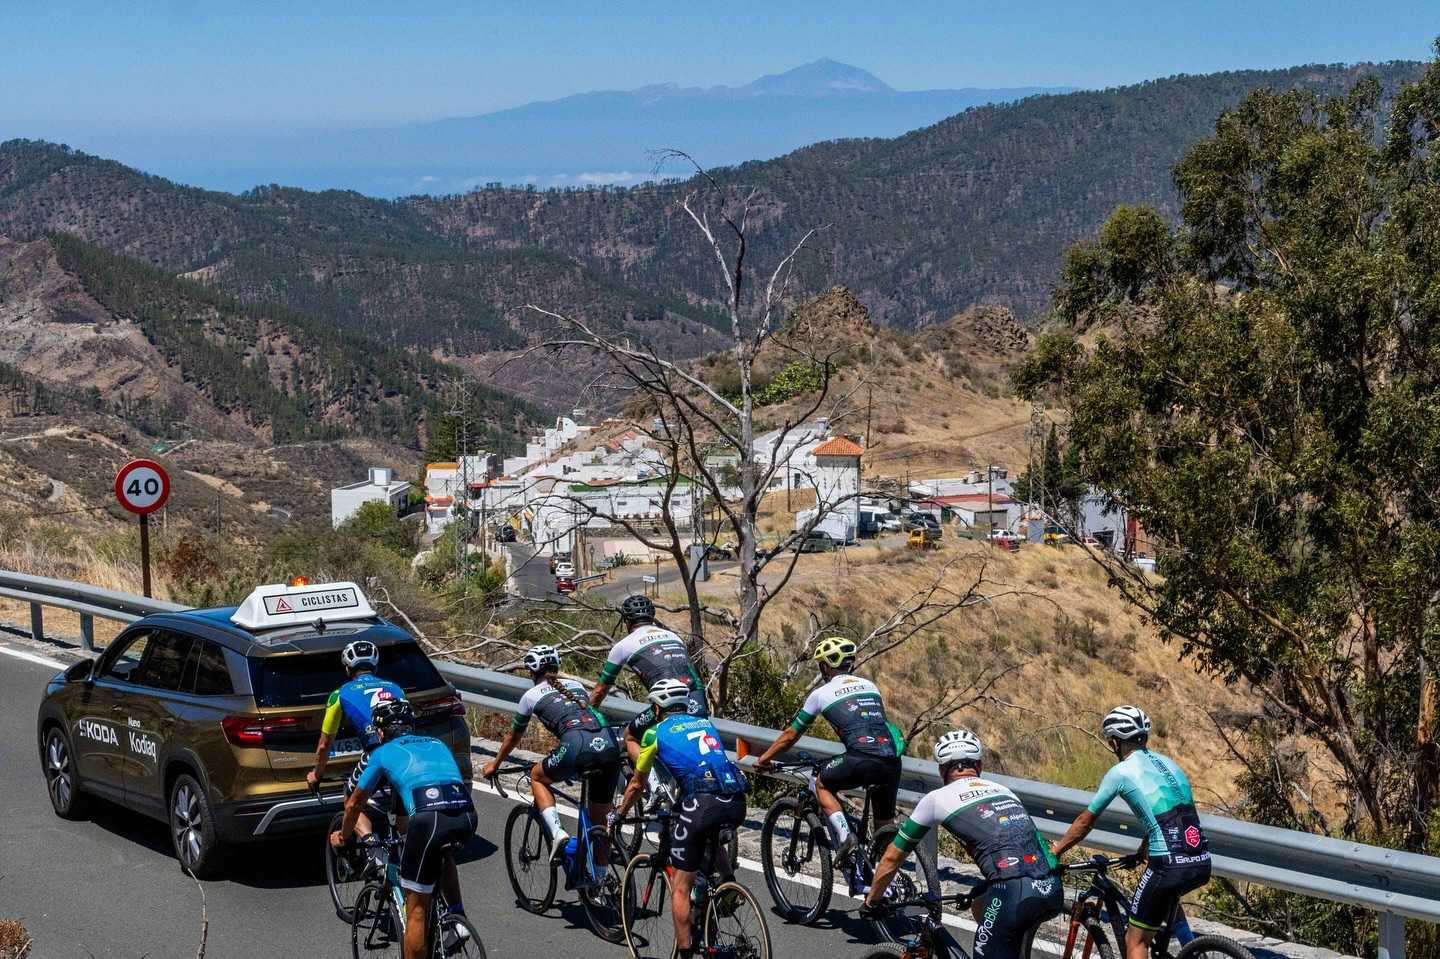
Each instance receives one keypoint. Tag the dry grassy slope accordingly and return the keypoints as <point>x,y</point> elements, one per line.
<point>1068,649</point>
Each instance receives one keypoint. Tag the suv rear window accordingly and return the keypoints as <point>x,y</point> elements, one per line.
<point>308,679</point>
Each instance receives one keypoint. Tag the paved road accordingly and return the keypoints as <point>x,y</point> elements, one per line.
<point>110,886</point>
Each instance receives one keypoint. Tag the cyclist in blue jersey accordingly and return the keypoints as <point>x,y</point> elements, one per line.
<point>353,703</point>
<point>712,792</point>
<point>1157,792</point>
<point>428,785</point>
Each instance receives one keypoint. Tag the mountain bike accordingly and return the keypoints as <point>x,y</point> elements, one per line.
<point>1105,901</point>
<point>726,919</point>
<point>930,939</point>
<point>534,878</point>
<point>377,928</point>
<point>796,853</point>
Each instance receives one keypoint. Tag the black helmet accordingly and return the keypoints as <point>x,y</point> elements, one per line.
<point>389,713</point>
<point>636,608</point>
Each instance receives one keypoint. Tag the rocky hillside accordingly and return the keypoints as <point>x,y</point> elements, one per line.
<point>975,209</point>
<point>98,331</point>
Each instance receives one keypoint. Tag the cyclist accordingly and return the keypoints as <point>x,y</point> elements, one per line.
<point>354,702</point>
<point>586,748</point>
<point>853,707</point>
<point>652,653</point>
<point>429,786</point>
<point>997,833</point>
<point>1175,848</point>
<point>712,793</point>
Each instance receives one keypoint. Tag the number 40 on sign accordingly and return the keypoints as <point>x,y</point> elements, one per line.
<point>142,487</point>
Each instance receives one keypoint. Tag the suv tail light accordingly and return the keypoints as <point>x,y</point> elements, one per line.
<point>451,705</point>
<point>249,731</point>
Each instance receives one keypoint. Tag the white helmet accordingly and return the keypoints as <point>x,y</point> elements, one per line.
<point>668,693</point>
<point>540,658</point>
<point>362,652</point>
<point>958,745</point>
<point>1126,723</point>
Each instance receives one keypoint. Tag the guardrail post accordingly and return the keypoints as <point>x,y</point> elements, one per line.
<point>87,632</point>
<point>1392,936</point>
<point>37,622</point>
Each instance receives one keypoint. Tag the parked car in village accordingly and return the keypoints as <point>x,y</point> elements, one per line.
<point>558,557</point>
<point>1144,563</point>
<point>1004,539</point>
<point>564,570</point>
<point>716,551</point>
<point>923,538</point>
<point>819,541</point>
<point>505,534</point>
<point>889,523</point>
<point>565,584</point>
<point>913,521</point>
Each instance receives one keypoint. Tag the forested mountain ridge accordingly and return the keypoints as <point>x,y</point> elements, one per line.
<point>975,209</point>
<point>165,351</point>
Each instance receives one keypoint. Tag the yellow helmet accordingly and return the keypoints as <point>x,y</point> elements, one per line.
<point>835,651</point>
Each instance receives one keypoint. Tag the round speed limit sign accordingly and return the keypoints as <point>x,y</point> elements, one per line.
<point>142,486</point>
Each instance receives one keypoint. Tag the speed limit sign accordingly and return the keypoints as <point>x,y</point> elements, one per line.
<point>142,486</point>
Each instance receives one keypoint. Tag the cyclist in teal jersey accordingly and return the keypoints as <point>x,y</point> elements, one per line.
<point>425,780</point>
<point>1175,848</point>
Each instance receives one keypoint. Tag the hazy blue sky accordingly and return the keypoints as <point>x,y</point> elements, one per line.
<point>75,66</point>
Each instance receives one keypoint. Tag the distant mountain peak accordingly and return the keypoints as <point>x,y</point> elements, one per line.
<point>823,77</point>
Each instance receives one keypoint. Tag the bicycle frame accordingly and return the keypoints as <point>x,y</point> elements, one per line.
<point>1105,899</point>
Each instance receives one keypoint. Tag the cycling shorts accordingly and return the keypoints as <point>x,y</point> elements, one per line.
<point>1010,911</point>
<point>591,756</point>
<point>857,770</point>
<point>697,825</point>
<point>1159,890</point>
<point>431,832</point>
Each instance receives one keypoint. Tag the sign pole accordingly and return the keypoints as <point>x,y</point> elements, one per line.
<point>145,553</point>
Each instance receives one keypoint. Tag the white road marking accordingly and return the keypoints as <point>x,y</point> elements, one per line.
<point>32,658</point>
<point>751,865</point>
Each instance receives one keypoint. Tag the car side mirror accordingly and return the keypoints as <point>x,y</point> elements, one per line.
<point>81,672</point>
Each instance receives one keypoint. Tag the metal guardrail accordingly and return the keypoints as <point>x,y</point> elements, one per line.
<point>1390,882</point>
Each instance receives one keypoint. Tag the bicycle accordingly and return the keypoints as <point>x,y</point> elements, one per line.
<point>931,940</point>
<point>378,925</point>
<point>800,863</point>
<point>534,878</point>
<point>345,867</point>
<point>719,905</point>
<point>1106,901</point>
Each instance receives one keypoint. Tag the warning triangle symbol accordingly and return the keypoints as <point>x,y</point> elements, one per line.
<point>283,607</point>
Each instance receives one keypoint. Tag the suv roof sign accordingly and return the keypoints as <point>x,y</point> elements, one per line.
<point>281,605</point>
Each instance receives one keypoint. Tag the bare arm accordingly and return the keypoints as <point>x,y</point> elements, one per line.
<point>789,737</point>
<point>633,789</point>
<point>507,746</point>
<point>598,693</point>
<point>889,865</point>
<point>353,807</point>
<point>322,758</point>
<point>1078,830</point>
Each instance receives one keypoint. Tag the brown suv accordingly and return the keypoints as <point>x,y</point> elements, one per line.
<point>210,726</point>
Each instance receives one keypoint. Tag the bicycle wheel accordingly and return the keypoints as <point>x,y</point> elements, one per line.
<point>602,902</point>
<point>344,873</point>
<point>734,923</point>
<point>458,937</point>
<point>527,859</point>
<point>887,952</point>
<point>645,909</point>
<point>795,856</point>
<point>1204,947</point>
<point>376,931</point>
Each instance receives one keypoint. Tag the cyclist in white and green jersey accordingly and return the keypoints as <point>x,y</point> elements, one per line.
<point>1021,888</point>
<point>652,653</point>
<point>1157,792</point>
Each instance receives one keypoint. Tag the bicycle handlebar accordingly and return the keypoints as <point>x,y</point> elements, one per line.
<point>1100,863</point>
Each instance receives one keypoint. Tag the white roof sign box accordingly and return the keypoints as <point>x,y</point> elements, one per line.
<point>281,605</point>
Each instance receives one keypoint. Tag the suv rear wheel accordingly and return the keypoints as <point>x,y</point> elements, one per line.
<point>192,827</point>
<point>65,795</point>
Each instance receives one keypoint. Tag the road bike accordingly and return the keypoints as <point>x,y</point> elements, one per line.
<point>597,878</point>
<point>726,919</point>
<point>796,852</point>
<point>345,868</point>
<point>1106,902</point>
<point>377,928</point>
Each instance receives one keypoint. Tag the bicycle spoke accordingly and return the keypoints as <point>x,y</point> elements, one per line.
<point>649,931</point>
<point>734,924</point>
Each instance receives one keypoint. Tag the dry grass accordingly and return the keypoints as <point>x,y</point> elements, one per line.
<point>15,942</point>
<point>1067,646</point>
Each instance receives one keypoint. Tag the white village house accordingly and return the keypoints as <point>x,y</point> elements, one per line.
<point>379,485</point>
